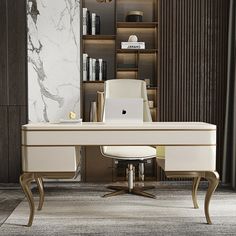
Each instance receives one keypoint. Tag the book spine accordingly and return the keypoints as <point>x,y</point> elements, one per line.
<point>97,25</point>
<point>93,23</point>
<point>93,69</point>
<point>104,70</point>
<point>100,69</point>
<point>97,69</point>
<point>90,69</point>
<point>85,56</point>
<point>85,21</point>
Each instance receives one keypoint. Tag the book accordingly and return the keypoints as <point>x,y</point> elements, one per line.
<point>100,69</point>
<point>85,21</point>
<point>104,70</point>
<point>93,24</point>
<point>93,69</point>
<point>97,25</point>
<point>132,45</point>
<point>90,69</point>
<point>88,22</point>
<point>97,69</point>
<point>85,68</point>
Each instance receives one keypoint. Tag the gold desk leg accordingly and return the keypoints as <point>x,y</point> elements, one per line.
<point>25,181</point>
<point>196,181</point>
<point>39,181</point>
<point>213,178</point>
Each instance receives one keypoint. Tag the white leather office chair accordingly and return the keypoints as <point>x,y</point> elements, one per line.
<point>129,88</point>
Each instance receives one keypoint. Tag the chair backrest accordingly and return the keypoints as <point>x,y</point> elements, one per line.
<point>128,88</point>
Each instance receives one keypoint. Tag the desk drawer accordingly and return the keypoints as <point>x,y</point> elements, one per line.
<point>50,159</point>
<point>187,158</point>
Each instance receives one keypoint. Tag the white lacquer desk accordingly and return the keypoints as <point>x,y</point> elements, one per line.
<point>188,149</point>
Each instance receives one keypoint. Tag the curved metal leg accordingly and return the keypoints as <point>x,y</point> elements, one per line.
<point>25,181</point>
<point>213,178</point>
<point>196,181</point>
<point>39,182</point>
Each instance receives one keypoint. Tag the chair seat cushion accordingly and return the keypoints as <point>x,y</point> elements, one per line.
<point>129,152</point>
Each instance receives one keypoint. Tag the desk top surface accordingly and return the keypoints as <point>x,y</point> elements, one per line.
<point>120,126</point>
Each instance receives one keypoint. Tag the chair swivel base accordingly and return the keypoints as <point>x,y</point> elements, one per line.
<point>135,190</point>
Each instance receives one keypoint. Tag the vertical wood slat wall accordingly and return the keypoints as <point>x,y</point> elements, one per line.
<point>13,87</point>
<point>193,63</point>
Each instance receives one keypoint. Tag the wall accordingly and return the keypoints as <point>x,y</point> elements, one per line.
<point>13,89</point>
<point>53,28</point>
<point>193,62</point>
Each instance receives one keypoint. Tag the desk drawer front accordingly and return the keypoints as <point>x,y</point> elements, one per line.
<point>119,137</point>
<point>49,159</point>
<point>189,158</point>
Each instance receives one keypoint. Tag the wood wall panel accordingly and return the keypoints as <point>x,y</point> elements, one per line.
<point>193,62</point>
<point>17,117</point>
<point>3,144</point>
<point>13,86</point>
<point>17,79</point>
<point>3,53</point>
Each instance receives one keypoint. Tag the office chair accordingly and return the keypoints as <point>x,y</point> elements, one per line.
<point>129,88</point>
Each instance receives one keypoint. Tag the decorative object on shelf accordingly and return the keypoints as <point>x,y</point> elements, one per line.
<point>132,45</point>
<point>151,104</point>
<point>134,16</point>
<point>133,38</point>
<point>148,82</point>
<point>91,23</point>
<point>94,69</point>
<point>93,112</point>
<point>100,105</point>
<point>72,115</point>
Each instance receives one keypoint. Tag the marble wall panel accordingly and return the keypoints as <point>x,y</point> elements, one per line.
<point>53,59</point>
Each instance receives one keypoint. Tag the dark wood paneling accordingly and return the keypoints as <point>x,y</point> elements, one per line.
<point>193,62</point>
<point>13,86</point>
<point>3,53</point>
<point>3,144</point>
<point>17,52</point>
<point>17,117</point>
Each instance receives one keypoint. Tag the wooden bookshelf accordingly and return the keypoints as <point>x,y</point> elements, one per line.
<point>122,63</point>
<point>99,37</point>
<point>136,24</point>
<point>136,50</point>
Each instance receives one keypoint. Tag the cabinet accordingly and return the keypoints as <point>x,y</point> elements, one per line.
<point>121,64</point>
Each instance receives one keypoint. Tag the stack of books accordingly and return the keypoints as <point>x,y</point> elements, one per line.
<point>94,69</point>
<point>91,23</point>
<point>132,45</point>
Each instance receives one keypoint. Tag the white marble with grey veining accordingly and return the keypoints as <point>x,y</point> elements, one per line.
<point>53,59</point>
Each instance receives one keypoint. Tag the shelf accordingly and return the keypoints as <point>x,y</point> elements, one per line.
<point>136,24</point>
<point>136,50</point>
<point>93,82</point>
<point>127,69</point>
<point>99,37</point>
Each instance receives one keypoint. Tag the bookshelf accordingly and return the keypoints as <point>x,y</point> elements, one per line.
<point>121,64</point>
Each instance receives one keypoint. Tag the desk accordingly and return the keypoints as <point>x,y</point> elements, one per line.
<point>189,150</point>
